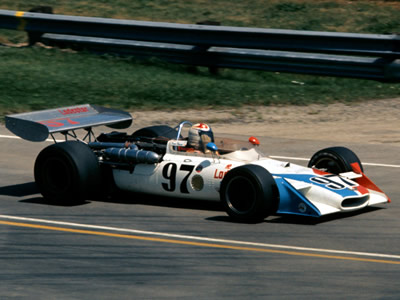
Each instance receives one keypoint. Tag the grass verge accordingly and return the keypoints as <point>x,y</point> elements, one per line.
<point>36,78</point>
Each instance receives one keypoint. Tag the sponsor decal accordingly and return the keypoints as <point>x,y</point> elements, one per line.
<point>219,174</point>
<point>71,111</point>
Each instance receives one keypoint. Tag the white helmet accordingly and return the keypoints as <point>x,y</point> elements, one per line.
<point>199,136</point>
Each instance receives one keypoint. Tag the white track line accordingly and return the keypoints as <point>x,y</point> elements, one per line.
<point>9,136</point>
<point>18,138</point>
<point>197,238</point>
<point>288,157</point>
<point>306,159</point>
<point>272,156</point>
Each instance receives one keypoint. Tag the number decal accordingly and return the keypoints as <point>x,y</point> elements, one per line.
<point>59,122</point>
<point>334,185</point>
<point>189,169</point>
<point>328,183</point>
<point>72,122</point>
<point>169,173</point>
<point>52,123</point>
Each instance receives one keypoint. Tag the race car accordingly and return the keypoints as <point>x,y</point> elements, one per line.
<point>162,160</point>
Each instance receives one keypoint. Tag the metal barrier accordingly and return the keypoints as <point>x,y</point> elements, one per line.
<point>223,46</point>
<point>238,58</point>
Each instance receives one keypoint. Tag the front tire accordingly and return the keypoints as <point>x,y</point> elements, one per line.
<point>67,173</point>
<point>334,160</point>
<point>249,194</point>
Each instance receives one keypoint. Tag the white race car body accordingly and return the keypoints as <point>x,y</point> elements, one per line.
<point>250,185</point>
<point>302,190</point>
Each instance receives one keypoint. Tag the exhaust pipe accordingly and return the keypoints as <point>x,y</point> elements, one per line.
<point>132,155</point>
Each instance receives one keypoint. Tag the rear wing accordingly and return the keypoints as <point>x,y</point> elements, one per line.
<point>37,126</point>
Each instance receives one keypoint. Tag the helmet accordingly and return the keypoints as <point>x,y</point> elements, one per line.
<point>199,136</point>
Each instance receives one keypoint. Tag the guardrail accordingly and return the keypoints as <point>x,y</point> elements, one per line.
<point>219,57</point>
<point>371,56</point>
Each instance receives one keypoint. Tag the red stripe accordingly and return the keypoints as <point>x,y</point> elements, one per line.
<point>365,181</point>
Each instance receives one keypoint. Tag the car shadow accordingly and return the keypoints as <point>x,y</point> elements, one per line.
<point>303,220</point>
<point>162,201</point>
<point>43,201</point>
<point>19,190</point>
<point>30,188</point>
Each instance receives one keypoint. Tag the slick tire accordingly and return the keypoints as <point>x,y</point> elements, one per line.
<point>156,131</point>
<point>67,173</point>
<point>334,160</point>
<point>249,194</point>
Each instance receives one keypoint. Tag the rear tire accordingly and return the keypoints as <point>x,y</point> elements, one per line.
<point>249,194</point>
<point>156,131</point>
<point>334,160</point>
<point>67,173</point>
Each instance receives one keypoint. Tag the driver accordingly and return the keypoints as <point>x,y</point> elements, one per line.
<point>199,136</point>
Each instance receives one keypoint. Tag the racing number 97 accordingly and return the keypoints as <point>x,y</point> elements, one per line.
<point>169,172</point>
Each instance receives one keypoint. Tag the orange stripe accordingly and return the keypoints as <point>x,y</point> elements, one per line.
<point>200,244</point>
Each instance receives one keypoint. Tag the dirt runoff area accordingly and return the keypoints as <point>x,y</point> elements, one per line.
<point>367,122</point>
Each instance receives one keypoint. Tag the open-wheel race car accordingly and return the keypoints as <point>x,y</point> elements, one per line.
<point>161,160</point>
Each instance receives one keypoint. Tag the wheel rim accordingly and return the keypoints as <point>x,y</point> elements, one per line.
<point>240,195</point>
<point>56,175</point>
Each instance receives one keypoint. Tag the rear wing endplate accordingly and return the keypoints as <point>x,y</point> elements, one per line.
<point>37,126</point>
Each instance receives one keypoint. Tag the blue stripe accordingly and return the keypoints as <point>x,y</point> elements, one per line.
<point>343,192</point>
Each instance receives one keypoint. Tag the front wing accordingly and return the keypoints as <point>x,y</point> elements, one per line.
<point>315,196</point>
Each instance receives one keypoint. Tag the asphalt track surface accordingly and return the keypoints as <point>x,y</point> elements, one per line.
<point>138,247</point>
